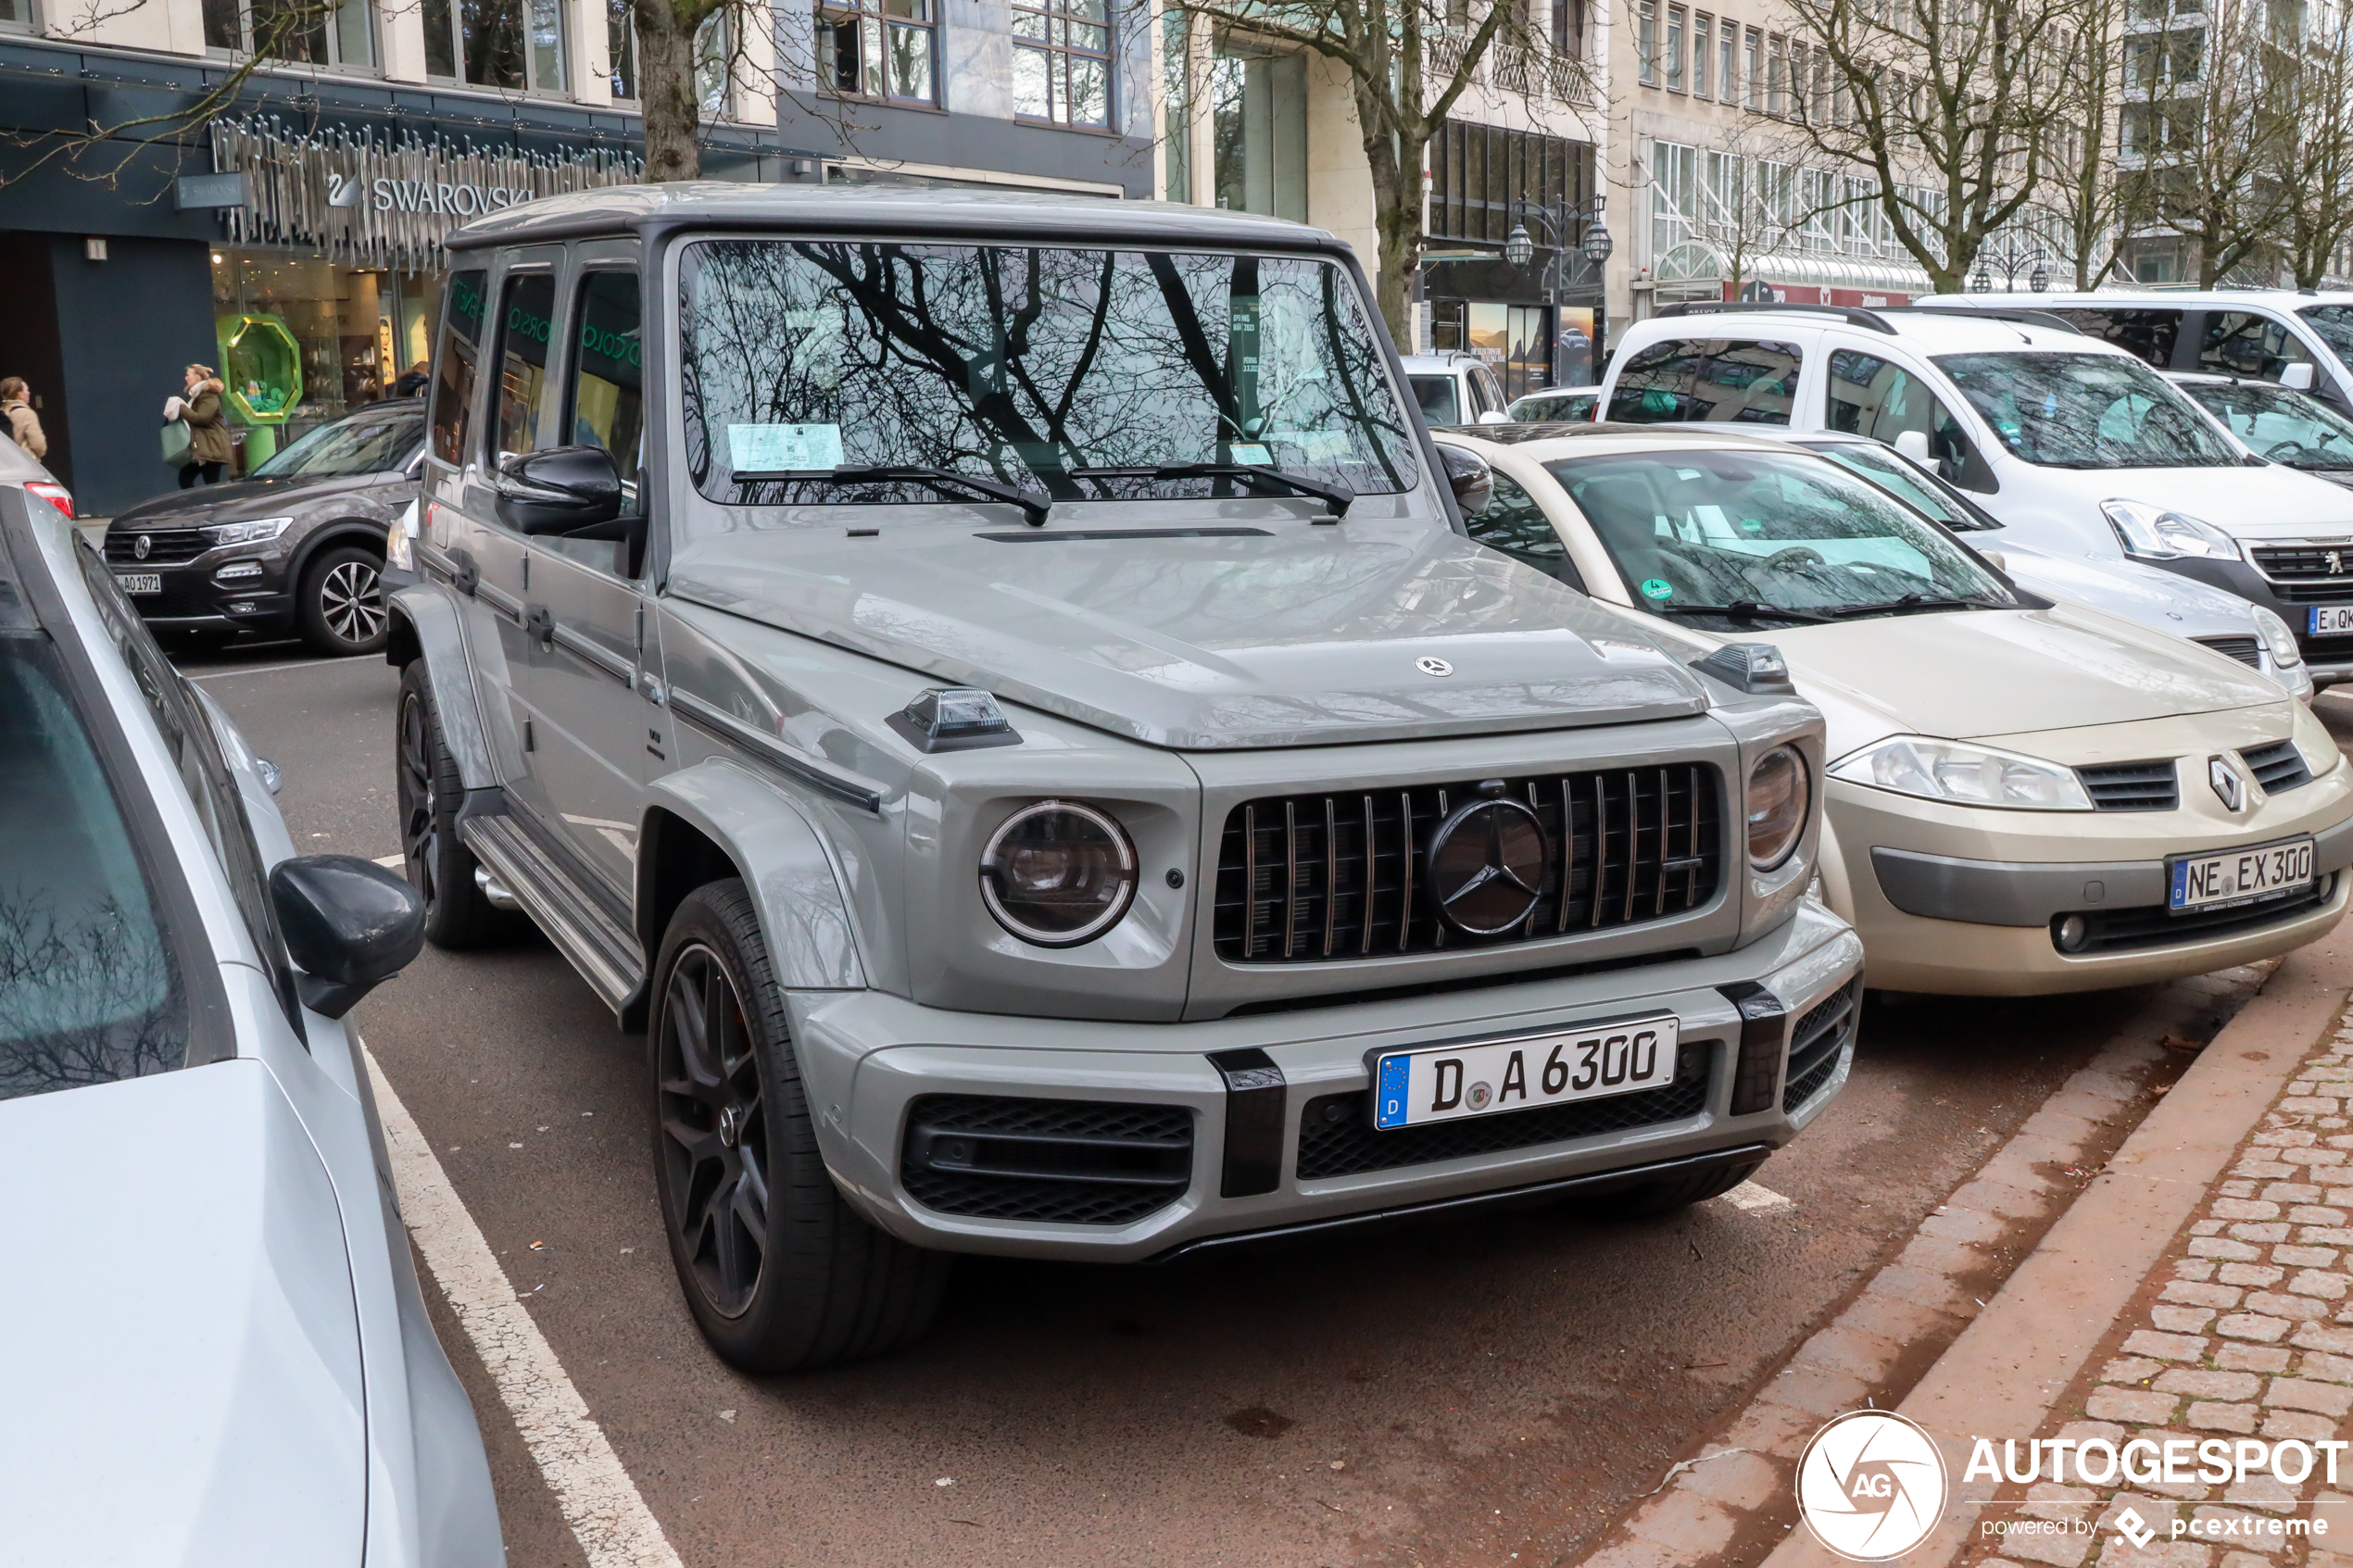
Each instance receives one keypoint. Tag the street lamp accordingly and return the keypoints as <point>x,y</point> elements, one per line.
<point>1984,281</point>
<point>2038,281</point>
<point>1597,240</point>
<point>1518,249</point>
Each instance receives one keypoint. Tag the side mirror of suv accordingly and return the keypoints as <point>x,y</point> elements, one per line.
<point>559,489</point>
<point>350,925</point>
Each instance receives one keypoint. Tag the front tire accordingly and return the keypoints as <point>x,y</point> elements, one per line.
<point>781,1275</point>
<point>340,607</point>
<point>427,792</point>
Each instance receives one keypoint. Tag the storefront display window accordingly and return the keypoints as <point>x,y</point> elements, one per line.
<point>516,44</point>
<point>347,333</point>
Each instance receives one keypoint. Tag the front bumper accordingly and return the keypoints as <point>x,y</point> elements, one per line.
<point>192,601</point>
<point>866,1058</point>
<point>2328,661</point>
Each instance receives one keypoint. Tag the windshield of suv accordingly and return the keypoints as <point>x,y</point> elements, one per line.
<point>1767,530</point>
<point>1906,483</point>
<point>2285,426</point>
<point>2086,411</point>
<point>367,442</point>
<point>1436,395</point>
<point>1025,366</point>
<point>88,990</point>
<point>2335,323</point>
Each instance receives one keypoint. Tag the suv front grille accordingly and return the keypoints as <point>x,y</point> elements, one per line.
<point>1337,1137</point>
<point>2278,767</point>
<point>2246,650</point>
<point>2132,786</point>
<point>176,548</point>
<point>2301,573</point>
<point>1074,1161</point>
<point>1813,1045</point>
<point>1304,878</point>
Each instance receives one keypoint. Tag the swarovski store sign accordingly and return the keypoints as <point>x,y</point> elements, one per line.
<point>385,202</point>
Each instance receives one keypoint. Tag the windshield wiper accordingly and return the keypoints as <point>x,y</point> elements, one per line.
<point>945,481</point>
<point>1337,496</point>
<point>1747,610</point>
<point>1911,602</point>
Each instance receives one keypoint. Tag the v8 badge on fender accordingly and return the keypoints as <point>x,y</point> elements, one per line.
<point>1479,1078</point>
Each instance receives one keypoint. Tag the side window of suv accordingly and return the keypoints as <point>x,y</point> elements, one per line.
<point>1872,397</point>
<point>1654,385</point>
<point>1515,525</point>
<point>2241,342</point>
<point>604,400</point>
<point>453,364</point>
<point>2149,334</point>
<point>525,325</point>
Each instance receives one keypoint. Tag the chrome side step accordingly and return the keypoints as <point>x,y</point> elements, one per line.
<point>604,952</point>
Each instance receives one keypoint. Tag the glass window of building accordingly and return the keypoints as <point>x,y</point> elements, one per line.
<point>1568,26</point>
<point>1727,64</point>
<point>517,44</point>
<point>1674,48</point>
<point>1753,73</point>
<point>1177,72</point>
<point>877,48</point>
<point>713,54</point>
<point>1061,61</point>
<point>1646,41</point>
<point>1703,48</point>
<point>339,34</point>
<point>1258,124</point>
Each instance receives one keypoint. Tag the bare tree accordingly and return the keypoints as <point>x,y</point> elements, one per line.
<point>2311,164</point>
<point>2203,116</point>
<point>2089,211</point>
<point>1408,62</point>
<point>1952,104</point>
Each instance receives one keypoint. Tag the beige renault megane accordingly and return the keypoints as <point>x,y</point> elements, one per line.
<point>2023,796</point>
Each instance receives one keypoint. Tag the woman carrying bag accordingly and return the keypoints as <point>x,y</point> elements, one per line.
<point>195,433</point>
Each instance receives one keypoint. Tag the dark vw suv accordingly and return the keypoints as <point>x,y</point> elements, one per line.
<point>298,545</point>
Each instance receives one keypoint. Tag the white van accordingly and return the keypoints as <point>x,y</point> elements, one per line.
<point>2300,340</point>
<point>2074,444</point>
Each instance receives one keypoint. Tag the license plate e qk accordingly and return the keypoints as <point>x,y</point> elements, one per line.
<point>2330,621</point>
<point>1446,1083</point>
<point>139,581</point>
<point>2238,876</point>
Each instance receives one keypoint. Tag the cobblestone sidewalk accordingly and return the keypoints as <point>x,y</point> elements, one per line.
<point>2245,1331</point>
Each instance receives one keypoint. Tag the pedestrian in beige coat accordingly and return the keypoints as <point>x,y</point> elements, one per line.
<point>198,406</point>
<point>24,425</point>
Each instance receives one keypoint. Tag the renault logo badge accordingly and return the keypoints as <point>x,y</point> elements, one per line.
<point>2227,784</point>
<point>1430,666</point>
<point>1487,866</point>
<point>140,549</point>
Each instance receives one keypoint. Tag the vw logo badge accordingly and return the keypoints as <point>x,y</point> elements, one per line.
<point>1432,666</point>
<point>1487,866</point>
<point>139,550</point>
<point>2226,783</point>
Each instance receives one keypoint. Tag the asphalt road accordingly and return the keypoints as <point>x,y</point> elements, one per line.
<point>1491,1394</point>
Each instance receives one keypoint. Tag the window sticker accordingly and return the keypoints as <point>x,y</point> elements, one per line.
<point>1246,452</point>
<point>783,449</point>
<point>1657,589</point>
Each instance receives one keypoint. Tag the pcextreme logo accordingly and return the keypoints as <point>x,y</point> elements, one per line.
<point>1871,1485</point>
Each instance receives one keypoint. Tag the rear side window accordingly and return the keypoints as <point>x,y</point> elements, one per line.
<point>1872,397</point>
<point>524,328</point>
<point>1515,525</point>
<point>1687,380</point>
<point>2149,334</point>
<point>1436,395</point>
<point>89,991</point>
<point>2241,342</point>
<point>454,364</point>
<point>606,402</point>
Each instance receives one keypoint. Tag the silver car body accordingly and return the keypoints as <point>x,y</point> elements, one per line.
<point>217,1349</point>
<point>729,713</point>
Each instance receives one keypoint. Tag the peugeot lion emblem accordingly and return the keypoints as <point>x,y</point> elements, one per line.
<point>2336,563</point>
<point>1430,665</point>
<point>2226,783</point>
<point>1486,864</point>
<point>140,549</point>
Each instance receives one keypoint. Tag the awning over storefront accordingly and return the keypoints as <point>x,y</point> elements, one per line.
<point>1697,269</point>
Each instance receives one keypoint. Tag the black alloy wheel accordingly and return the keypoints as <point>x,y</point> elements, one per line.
<point>342,609</point>
<point>427,792</point>
<point>780,1272</point>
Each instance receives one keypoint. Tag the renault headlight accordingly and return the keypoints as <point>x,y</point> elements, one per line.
<point>2278,637</point>
<point>1962,774</point>
<point>260,531</point>
<point>1058,873</point>
<point>2150,533</point>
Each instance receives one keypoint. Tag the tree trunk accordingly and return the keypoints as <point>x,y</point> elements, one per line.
<point>1397,214</point>
<point>666,91</point>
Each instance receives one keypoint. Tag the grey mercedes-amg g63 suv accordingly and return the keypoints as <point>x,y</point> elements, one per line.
<point>996,689</point>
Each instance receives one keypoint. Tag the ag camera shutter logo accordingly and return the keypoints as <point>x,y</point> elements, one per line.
<point>1871,1486</point>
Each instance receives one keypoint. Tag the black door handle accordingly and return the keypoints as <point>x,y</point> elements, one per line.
<point>464,575</point>
<point>539,623</point>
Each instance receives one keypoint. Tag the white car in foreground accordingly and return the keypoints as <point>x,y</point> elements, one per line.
<point>2023,796</point>
<point>213,1350</point>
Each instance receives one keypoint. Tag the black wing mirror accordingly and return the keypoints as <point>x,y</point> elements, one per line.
<point>1473,481</point>
<point>350,925</point>
<point>560,490</point>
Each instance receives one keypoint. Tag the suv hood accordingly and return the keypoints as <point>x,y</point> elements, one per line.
<point>1295,635</point>
<point>2271,502</point>
<point>181,1377</point>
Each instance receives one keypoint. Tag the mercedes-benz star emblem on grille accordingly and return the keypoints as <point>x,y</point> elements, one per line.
<point>139,550</point>
<point>1429,665</point>
<point>2226,783</point>
<point>1487,866</point>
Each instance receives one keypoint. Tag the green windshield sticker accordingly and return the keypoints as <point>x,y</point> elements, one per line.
<point>1657,589</point>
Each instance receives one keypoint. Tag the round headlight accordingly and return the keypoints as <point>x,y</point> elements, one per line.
<point>1058,873</point>
<point>1777,794</point>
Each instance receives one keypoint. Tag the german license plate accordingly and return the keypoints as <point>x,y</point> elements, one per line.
<point>140,581</point>
<point>2238,876</point>
<point>2331,620</point>
<point>1447,1083</point>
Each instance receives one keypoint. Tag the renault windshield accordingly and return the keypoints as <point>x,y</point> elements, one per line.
<point>819,372</point>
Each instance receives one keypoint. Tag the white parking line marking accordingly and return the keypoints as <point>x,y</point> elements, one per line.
<point>1757,1200</point>
<point>263,669</point>
<point>392,862</point>
<point>600,1502</point>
